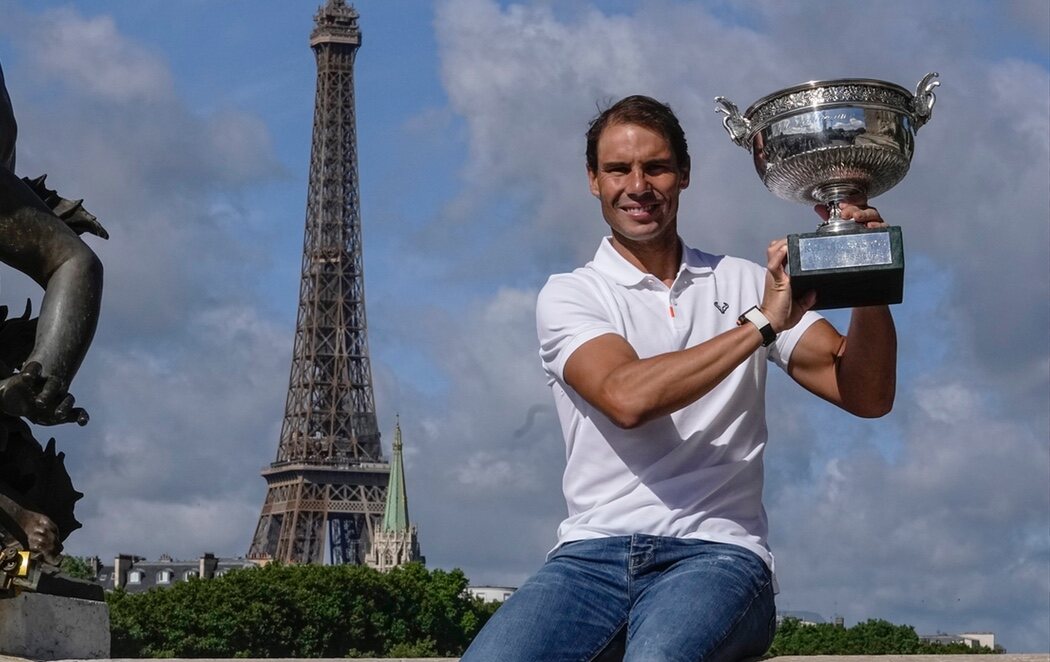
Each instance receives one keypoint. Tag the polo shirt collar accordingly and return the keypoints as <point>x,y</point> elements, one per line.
<point>609,262</point>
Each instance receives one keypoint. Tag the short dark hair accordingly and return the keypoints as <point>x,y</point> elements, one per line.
<point>643,111</point>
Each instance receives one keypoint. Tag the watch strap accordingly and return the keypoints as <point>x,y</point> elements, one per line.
<point>755,316</point>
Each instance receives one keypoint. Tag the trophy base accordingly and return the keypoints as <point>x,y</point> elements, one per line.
<point>862,267</point>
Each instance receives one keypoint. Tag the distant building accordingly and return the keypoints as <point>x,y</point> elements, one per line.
<point>803,617</point>
<point>941,638</point>
<point>135,574</point>
<point>986,639</point>
<point>971,639</point>
<point>492,593</point>
<point>395,541</point>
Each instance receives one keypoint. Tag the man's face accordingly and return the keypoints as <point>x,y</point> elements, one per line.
<point>638,182</point>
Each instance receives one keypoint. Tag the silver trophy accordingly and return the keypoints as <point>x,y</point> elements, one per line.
<point>835,141</point>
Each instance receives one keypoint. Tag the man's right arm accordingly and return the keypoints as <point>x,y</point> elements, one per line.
<point>631,391</point>
<point>607,372</point>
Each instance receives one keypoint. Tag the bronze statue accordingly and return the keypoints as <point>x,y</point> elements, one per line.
<point>39,236</point>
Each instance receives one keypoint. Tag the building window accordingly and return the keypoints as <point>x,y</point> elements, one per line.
<point>135,577</point>
<point>164,576</point>
<point>190,574</point>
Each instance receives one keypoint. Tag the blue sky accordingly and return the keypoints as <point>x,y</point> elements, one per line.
<point>186,127</point>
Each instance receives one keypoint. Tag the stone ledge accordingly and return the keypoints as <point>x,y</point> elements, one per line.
<point>47,627</point>
<point>1035,657</point>
<point>1006,657</point>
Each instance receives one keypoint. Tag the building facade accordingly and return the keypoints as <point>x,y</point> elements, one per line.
<point>136,574</point>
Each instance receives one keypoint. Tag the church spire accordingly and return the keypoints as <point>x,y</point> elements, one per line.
<point>396,541</point>
<point>395,517</point>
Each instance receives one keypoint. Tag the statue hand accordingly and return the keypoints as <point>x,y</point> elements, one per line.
<point>42,535</point>
<point>43,400</point>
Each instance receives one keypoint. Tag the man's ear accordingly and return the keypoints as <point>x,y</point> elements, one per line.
<point>683,178</point>
<point>592,179</point>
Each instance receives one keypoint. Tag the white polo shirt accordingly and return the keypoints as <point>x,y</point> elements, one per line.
<point>696,473</point>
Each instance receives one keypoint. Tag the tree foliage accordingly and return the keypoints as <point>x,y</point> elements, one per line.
<point>300,611</point>
<point>873,637</point>
<point>74,566</point>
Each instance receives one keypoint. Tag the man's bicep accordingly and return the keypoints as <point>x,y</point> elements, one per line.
<point>588,368</point>
<point>568,315</point>
<point>814,359</point>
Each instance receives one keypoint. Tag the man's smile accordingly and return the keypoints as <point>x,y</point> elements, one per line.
<point>640,209</point>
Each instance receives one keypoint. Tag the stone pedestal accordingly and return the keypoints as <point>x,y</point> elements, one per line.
<point>47,627</point>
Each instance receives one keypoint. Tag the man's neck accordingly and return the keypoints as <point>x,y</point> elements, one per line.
<point>661,257</point>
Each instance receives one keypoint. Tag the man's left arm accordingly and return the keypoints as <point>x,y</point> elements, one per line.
<point>858,371</point>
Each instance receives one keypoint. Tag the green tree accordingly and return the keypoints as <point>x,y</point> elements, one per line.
<point>74,566</point>
<point>873,637</point>
<point>300,611</point>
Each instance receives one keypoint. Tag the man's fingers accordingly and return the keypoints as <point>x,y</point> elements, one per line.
<point>776,256</point>
<point>861,213</point>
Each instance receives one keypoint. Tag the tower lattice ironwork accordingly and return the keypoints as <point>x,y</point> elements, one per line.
<point>329,480</point>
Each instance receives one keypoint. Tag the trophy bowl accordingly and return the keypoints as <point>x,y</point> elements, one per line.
<point>832,141</point>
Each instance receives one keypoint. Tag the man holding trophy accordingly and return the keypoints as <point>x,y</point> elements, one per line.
<point>656,353</point>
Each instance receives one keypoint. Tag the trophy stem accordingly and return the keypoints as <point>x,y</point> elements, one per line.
<point>832,194</point>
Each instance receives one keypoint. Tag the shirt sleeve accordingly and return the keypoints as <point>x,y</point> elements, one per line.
<point>780,351</point>
<point>568,314</point>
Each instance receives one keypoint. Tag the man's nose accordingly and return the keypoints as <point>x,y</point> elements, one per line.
<point>637,182</point>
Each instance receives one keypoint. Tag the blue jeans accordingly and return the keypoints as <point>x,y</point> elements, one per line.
<point>636,598</point>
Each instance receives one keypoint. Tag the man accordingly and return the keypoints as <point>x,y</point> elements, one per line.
<point>656,354</point>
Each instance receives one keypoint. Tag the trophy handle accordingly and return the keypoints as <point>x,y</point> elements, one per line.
<point>922,103</point>
<point>736,125</point>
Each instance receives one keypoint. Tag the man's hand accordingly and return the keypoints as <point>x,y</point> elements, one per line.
<point>782,311</point>
<point>858,212</point>
<point>43,400</point>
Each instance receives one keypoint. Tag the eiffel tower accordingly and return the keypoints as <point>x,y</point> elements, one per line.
<point>329,480</point>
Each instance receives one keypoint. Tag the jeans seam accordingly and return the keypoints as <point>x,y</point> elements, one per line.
<point>740,617</point>
<point>598,651</point>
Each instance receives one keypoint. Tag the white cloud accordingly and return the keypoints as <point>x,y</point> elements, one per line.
<point>93,57</point>
<point>176,529</point>
<point>948,402</point>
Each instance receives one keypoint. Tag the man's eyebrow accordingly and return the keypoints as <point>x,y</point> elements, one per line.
<point>625,164</point>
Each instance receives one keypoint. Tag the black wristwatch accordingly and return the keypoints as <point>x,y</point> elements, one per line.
<point>755,316</point>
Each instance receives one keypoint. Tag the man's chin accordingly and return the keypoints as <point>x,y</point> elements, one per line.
<point>656,235</point>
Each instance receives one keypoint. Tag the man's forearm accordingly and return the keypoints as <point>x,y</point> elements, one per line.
<point>644,389</point>
<point>867,367</point>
